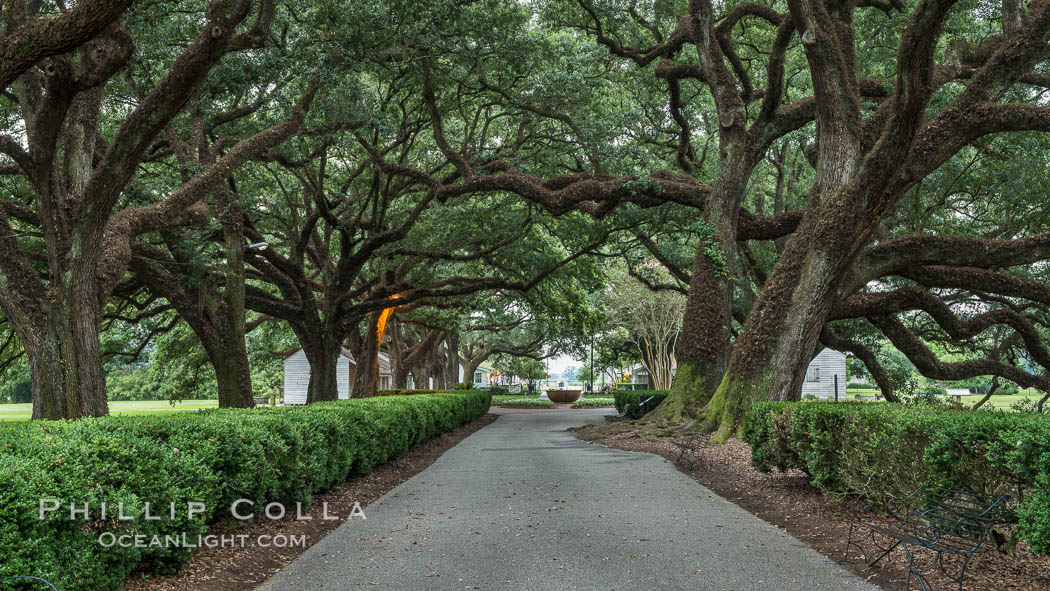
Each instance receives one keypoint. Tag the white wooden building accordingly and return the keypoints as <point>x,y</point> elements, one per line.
<point>386,374</point>
<point>482,376</point>
<point>480,379</point>
<point>827,370</point>
<point>297,376</point>
<point>640,376</point>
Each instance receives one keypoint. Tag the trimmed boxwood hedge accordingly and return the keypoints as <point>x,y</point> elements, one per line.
<point>892,449</point>
<point>628,401</point>
<point>528,402</point>
<point>408,391</point>
<point>593,402</point>
<point>266,455</point>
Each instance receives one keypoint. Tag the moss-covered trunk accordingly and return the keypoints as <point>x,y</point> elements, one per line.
<point>781,333</point>
<point>703,346</point>
<point>769,358</point>
<point>702,350</point>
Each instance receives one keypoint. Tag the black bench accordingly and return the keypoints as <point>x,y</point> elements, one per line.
<point>691,450</point>
<point>949,522</point>
<point>644,405</point>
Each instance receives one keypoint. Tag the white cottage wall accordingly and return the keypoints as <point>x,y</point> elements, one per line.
<point>297,378</point>
<point>821,375</point>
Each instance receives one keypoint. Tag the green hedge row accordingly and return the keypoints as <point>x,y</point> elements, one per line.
<point>215,457</point>
<point>528,402</point>
<point>628,401</point>
<point>853,447</point>
<point>593,402</point>
<point>409,391</point>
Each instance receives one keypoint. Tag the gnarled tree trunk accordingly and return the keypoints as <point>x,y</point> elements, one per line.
<point>703,346</point>
<point>367,381</point>
<point>702,349</point>
<point>323,356</point>
<point>65,361</point>
<point>780,336</point>
<point>233,376</point>
<point>233,373</point>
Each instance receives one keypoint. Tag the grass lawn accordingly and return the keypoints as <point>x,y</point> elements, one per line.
<point>21,412</point>
<point>1001,400</point>
<point>997,400</point>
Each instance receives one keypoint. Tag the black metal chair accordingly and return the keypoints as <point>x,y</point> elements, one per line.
<point>691,450</point>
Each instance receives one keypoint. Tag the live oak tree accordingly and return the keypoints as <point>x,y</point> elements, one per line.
<point>495,324</point>
<point>871,124</point>
<point>67,225</point>
<point>361,240</point>
<point>799,168</point>
<point>598,192</point>
<point>201,270</point>
<point>865,164</point>
<point>549,320</point>
<point>358,227</point>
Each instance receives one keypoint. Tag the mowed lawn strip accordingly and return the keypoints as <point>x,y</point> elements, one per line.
<point>22,412</point>
<point>1001,401</point>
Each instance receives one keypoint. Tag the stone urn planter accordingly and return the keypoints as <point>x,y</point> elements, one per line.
<point>564,396</point>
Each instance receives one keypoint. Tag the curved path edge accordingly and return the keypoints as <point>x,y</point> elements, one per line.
<point>523,504</point>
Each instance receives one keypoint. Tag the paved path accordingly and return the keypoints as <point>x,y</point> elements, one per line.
<point>522,504</point>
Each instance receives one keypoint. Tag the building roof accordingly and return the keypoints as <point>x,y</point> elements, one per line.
<point>827,351</point>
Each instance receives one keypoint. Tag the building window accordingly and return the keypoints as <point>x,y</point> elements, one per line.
<point>478,377</point>
<point>814,374</point>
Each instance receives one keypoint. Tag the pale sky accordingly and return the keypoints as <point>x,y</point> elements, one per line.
<point>561,363</point>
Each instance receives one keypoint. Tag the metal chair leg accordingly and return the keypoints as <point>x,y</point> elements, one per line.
<point>887,551</point>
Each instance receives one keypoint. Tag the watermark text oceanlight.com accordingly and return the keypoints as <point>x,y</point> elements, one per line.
<point>241,509</point>
<point>110,539</point>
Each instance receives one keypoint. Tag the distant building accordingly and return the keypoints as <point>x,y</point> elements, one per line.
<point>825,372</point>
<point>386,374</point>
<point>297,376</point>
<point>640,375</point>
<point>482,377</point>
